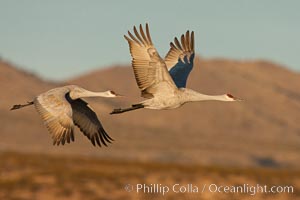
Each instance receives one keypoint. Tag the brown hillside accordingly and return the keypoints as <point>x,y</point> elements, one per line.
<point>17,87</point>
<point>261,131</point>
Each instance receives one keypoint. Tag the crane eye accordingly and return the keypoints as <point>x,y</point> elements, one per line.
<point>112,92</point>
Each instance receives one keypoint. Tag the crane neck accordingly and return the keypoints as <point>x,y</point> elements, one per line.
<point>93,94</point>
<point>75,94</point>
<point>191,95</point>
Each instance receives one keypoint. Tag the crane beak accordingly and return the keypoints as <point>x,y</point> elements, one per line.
<point>119,95</point>
<point>238,99</point>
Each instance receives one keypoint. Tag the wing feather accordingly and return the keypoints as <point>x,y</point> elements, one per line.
<point>150,70</point>
<point>86,119</point>
<point>144,36</point>
<point>183,43</point>
<point>56,113</point>
<point>180,58</point>
<point>187,40</point>
<point>177,43</point>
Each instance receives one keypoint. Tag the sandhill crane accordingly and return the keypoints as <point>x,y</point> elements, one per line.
<point>62,108</point>
<point>163,88</point>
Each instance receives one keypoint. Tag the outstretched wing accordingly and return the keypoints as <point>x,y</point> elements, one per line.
<point>150,70</point>
<point>180,59</point>
<point>56,113</point>
<point>86,119</point>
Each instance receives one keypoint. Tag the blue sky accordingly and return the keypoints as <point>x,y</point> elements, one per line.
<point>61,39</point>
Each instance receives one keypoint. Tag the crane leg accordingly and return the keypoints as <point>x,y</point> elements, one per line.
<point>121,110</point>
<point>18,106</point>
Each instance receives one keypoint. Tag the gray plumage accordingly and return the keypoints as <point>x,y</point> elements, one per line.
<point>62,108</point>
<point>153,78</point>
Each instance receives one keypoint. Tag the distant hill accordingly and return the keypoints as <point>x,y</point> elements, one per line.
<point>263,130</point>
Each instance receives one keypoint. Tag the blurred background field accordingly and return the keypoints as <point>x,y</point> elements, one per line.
<point>37,176</point>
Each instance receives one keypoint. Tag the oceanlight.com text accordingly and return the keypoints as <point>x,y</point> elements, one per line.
<point>212,188</point>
